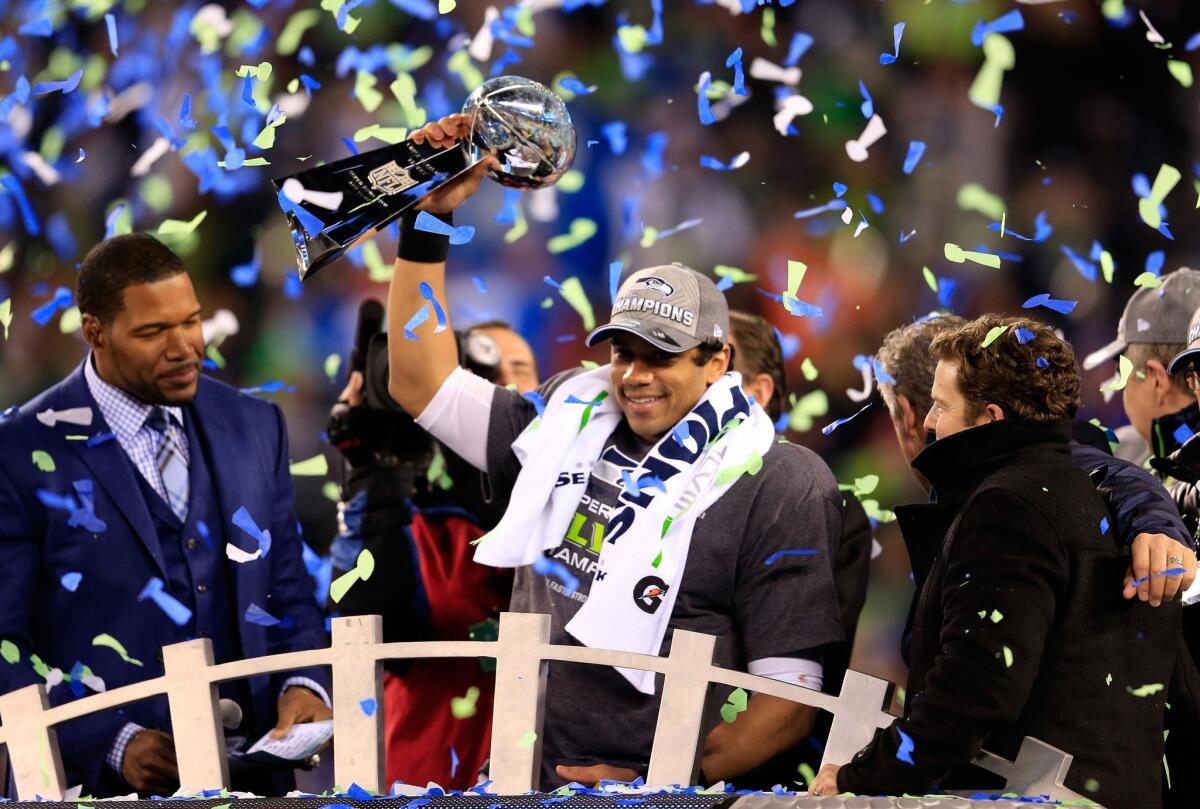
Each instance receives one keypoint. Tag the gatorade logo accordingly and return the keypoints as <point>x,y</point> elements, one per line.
<point>648,594</point>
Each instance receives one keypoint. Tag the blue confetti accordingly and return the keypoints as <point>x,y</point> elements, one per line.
<point>1042,362</point>
<point>1104,525</point>
<point>574,85</point>
<point>889,58</point>
<point>1173,571</point>
<point>1182,433</point>
<point>829,428</point>
<point>800,44</point>
<point>573,399</point>
<point>906,747</point>
<point>59,502</point>
<point>65,86</point>
<point>614,279</point>
<point>70,581</point>
<point>243,520</point>
<point>734,60</point>
<point>111,23</point>
<point>868,106</point>
<point>453,761</point>
<point>539,404</point>
<point>156,592</point>
<point>1154,262</point>
<point>368,705</point>
<point>775,557</point>
<point>257,615</point>
<point>614,133</point>
<point>12,185</point>
<point>1024,335</point>
<point>61,300</point>
<point>703,107</point>
<point>245,275</point>
<point>550,567</point>
<point>916,150</point>
<point>1005,24</point>
<point>1044,300</point>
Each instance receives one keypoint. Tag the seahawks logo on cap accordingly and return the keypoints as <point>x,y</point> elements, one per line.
<point>657,284</point>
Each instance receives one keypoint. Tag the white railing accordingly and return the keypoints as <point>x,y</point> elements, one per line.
<point>521,650</point>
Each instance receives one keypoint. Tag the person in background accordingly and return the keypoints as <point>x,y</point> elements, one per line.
<point>421,525</point>
<point>126,534</point>
<point>1017,631</point>
<point>1152,330</point>
<point>758,357</point>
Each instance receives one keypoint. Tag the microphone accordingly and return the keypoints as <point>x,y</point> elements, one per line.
<point>231,714</point>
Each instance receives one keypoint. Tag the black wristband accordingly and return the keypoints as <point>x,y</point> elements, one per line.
<point>421,246</point>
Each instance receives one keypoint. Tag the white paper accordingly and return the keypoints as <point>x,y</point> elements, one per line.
<point>1192,594</point>
<point>300,742</point>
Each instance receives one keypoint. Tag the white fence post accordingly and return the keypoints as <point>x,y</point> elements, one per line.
<point>195,715</point>
<point>357,676</point>
<point>678,742</point>
<point>32,746</point>
<point>860,711</point>
<point>520,695</point>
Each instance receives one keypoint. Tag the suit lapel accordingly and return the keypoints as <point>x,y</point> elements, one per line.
<point>112,470</point>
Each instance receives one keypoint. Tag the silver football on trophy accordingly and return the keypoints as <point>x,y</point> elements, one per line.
<point>529,127</point>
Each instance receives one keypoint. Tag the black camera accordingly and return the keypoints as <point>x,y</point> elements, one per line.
<point>380,432</point>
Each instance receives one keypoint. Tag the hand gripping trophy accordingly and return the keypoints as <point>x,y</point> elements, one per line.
<point>330,207</point>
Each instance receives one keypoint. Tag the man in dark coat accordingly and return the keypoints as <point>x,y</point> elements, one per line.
<point>1019,631</point>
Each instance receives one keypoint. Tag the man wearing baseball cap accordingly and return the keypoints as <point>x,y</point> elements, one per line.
<point>1158,404</point>
<point>644,496</point>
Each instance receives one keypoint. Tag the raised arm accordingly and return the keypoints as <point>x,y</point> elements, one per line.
<point>417,368</point>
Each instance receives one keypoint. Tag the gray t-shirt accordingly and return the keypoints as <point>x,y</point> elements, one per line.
<point>787,609</point>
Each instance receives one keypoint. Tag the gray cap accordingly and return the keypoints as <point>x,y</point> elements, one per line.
<point>672,307</point>
<point>1192,352</point>
<point>1154,315</point>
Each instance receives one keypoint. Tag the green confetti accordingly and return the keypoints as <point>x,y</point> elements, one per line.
<point>316,466</point>
<point>333,364</point>
<point>177,227</point>
<point>865,485</point>
<point>1008,657</point>
<point>266,138</point>
<point>666,526</point>
<point>1164,181</point>
<point>632,37</point>
<point>738,275</point>
<point>9,651</point>
<point>527,740</point>
<point>768,27</point>
<point>572,292</point>
<point>806,772</point>
<point>1108,679</point>
<point>1125,366</point>
<point>261,71</point>
<point>365,92</point>
<point>959,256</point>
<point>330,491</point>
<point>1181,70</point>
<point>809,370</point>
<point>378,270</point>
<point>156,193</point>
<point>581,229</point>
<point>796,270</point>
<point>751,467</point>
<point>1148,280</point>
<point>930,278</point>
<point>974,197</point>
<point>71,320</point>
<point>806,409</point>
<point>387,134</point>
<point>6,315</point>
<point>996,616</point>
<point>998,56</point>
<point>993,335</point>
<point>570,182</point>
<point>10,251</point>
<point>43,461</point>
<point>735,705</point>
<point>288,41</point>
<point>1091,784</point>
<point>519,228</point>
<point>1145,690</point>
<point>591,366</point>
<point>363,568</point>
<point>464,707</point>
<point>1107,266</point>
<point>107,640</point>
<point>404,89</point>
<point>460,64</point>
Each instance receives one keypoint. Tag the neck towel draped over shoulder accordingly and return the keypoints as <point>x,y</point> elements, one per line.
<point>646,544</point>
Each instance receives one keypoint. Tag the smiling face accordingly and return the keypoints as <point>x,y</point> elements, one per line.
<point>153,346</point>
<point>655,388</point>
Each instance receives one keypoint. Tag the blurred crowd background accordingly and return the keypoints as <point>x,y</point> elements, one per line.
<point>1092,100</point>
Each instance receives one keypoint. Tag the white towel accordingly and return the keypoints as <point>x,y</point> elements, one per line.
<point>649,532</point>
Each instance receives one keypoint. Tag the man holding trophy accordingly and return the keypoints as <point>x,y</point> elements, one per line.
<point>612,478</point>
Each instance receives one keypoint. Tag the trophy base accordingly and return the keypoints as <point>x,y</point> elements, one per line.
<point>329,208</point>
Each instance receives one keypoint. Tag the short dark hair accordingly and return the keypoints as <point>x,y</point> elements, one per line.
<point>1027,369</point>
<point>760,354</point>
<point>905,357</point>
<point>707,350</point>
<point>1141,353</point>
<point>118,263</point>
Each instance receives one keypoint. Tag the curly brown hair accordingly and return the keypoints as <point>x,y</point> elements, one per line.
<point>1033,380</point>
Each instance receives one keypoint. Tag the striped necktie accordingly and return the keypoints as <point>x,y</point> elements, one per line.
<point>172,470</point>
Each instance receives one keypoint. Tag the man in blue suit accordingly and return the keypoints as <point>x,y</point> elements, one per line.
<point>159,510</point>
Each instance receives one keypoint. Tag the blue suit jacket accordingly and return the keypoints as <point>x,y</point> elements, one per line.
<point>246,439</point>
